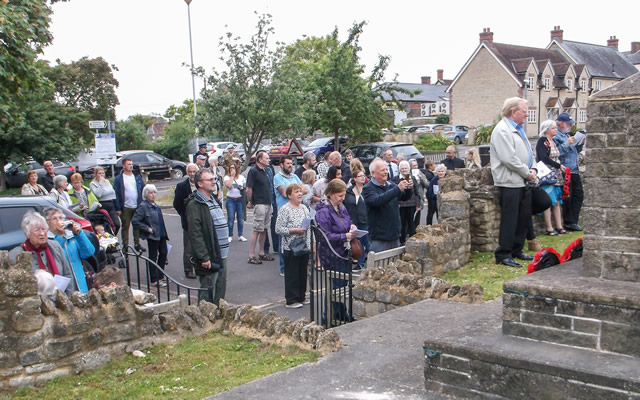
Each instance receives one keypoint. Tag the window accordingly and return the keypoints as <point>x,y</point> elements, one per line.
<point>531,116</point>
<point>598,84</point>
<point>583,85</point>
<point>12,218</point>
<point>570,84</point>
<point>531,81</point>
<point>582,116</point>
<point>547,83</point>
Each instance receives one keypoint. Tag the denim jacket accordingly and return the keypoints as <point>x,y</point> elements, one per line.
<point>568,152</point>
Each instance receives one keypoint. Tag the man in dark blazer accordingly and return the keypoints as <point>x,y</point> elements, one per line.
<point>451,161</point>
<point>183,191</point>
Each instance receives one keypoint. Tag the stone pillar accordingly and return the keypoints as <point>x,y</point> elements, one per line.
<point>611,211</point>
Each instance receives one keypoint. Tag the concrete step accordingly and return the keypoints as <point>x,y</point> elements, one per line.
<point>491,365</point>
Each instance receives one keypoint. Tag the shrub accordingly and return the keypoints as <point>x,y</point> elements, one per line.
<point>483,135</point>
<point>432,142</point>
<point>442,119</point>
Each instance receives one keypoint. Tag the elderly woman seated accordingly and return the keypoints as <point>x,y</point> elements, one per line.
<point>46,254</point>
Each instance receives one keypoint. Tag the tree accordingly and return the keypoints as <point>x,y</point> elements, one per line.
<point>183,112</point>
<point>175,142</point>
<point>254,98</point>
<point>130,135</point>
<point>87,84</point>
<point>340,100</point>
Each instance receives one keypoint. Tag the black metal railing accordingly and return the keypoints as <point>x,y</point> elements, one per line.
<point>330,285</point>
<point>163,294</point>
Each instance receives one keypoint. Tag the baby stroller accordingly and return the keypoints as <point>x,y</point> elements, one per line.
<point>110,247</point>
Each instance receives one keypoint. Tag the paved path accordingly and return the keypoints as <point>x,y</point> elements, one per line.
<point>382,357</point>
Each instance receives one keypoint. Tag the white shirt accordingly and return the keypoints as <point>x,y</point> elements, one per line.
<point>236,185</point>
<point>130,191</point>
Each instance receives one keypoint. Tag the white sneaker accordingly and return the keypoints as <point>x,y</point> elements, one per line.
<point>242,238</point>
<point>294,305</point>
<point>230,239</point>
<point>306,301</point>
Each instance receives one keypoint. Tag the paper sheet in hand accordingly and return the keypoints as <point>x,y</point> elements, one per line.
<point>543,170</point>
<point>169,247</point>
<point>62,282</point>
<point>359,233</point>
<point>305,223</point>
<point>579,138</point>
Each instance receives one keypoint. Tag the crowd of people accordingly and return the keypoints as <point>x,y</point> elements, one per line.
<point>381,207</point>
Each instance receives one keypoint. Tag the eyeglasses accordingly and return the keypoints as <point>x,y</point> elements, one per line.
<point>39,230</point>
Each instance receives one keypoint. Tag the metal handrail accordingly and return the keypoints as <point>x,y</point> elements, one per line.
<point>131,251</point>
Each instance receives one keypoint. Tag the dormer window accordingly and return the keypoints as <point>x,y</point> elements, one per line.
<point>583,85</point>
<point>547,84</point>
<point>531,81</point>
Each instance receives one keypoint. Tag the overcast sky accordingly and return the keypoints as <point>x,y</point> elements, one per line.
<point>148,40</point>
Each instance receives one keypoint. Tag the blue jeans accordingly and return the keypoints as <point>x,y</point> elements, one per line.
<point>234,209</point>
<point>365,244</point>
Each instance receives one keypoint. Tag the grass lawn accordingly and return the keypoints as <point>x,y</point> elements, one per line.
<point>483,270</point>
<point>193,369</point>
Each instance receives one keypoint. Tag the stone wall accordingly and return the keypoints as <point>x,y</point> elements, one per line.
<point>484,215</point>
<point>612,183</point>
<point>40,339</point>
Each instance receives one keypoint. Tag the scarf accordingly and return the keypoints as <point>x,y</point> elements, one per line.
<point>53,268</point>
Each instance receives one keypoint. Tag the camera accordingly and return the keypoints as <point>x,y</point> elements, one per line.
<point>68,225</point>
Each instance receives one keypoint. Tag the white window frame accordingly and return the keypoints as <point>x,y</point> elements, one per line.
<point>597,84</point>
<point>570,84</point>
<point>547,84</point>
<point>583,85</point>
<point>582,115</point>
<point>531,82</point>
<point>532,116</point>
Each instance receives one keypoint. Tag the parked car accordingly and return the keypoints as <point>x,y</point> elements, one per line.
<point>218,149</point>
<point>157,166</point>
<point>16,174</point>
<point>323,145</point>
<point>277,152</point>
<point>265,147</point>
<point>367,152</point>
<point>457,133</point>
<point>13,208</point>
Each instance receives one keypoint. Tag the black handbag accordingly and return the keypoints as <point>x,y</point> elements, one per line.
<point>540,200</point>
<point>298,246</point>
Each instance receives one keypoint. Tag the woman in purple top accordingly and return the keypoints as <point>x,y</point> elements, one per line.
<point>333,218</point>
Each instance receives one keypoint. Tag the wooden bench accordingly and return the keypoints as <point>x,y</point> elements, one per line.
<point>384,257</point>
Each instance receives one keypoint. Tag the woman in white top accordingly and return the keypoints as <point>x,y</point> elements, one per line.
<point>106,195</point>
<point>59,193</point>
<point>236,184</point>
<point>308,179</point>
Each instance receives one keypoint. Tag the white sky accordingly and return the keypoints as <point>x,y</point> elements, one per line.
<point>148,40</point>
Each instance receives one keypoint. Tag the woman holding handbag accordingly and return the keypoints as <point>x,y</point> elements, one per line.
<point>547,152</point>
<point>296,245</point>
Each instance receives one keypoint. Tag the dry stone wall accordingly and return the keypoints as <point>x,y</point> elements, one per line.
<point>41,339</point>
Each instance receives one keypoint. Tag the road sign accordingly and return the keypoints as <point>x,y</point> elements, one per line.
<point>294,148</point>
<point>97,124</point>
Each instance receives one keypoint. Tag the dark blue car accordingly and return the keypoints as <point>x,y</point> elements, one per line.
<point>324,145</point>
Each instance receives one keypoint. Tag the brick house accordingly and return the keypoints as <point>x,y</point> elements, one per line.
<point>432,101</point>
<point>555,79</point>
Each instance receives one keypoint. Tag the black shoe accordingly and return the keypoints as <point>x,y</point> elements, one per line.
<point>573,227</point>
<point>509,262</point>
<point>191,275</point>
<point>139,248</point>
<point>524,257</point>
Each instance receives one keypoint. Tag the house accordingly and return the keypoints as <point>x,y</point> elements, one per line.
<point>156,130</point>
<point>433,100</point>
<point>555,79</point>
<point>634,55</point>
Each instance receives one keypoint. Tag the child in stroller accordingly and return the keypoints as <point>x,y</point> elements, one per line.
<point>104,229</point>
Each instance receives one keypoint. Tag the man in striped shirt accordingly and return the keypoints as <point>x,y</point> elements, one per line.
<point>209,236</point>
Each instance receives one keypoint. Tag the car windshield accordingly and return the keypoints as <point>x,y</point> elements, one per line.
<point>320,142</point>
<point>408,150</point>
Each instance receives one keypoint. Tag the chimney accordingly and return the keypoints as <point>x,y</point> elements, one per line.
<point>612,42</point>
<point>426,80</point>
<point>440,73</point>
<point>486,35</point>
<point>635,47</point>
<point>556,33</point>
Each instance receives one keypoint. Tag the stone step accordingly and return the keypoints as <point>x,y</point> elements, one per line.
<point>561,305</point>
<point>488,364</point>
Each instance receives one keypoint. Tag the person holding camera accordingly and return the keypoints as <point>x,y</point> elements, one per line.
<point>74,241</point>
<point>410,204</point>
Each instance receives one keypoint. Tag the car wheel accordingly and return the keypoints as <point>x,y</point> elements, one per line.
<point>458,140</point>
<point>177,173</point>
<point>320,156</point>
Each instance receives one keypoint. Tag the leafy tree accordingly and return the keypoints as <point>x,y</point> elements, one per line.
<point>87,84</point>
<point>442,119</point>
<point>340,100</point>
<point>175,142</point>
<point>254,98</point>
<point>183,112</point>
<point>130,135</point>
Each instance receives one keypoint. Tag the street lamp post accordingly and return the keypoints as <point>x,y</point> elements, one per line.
<point>193,80</point>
